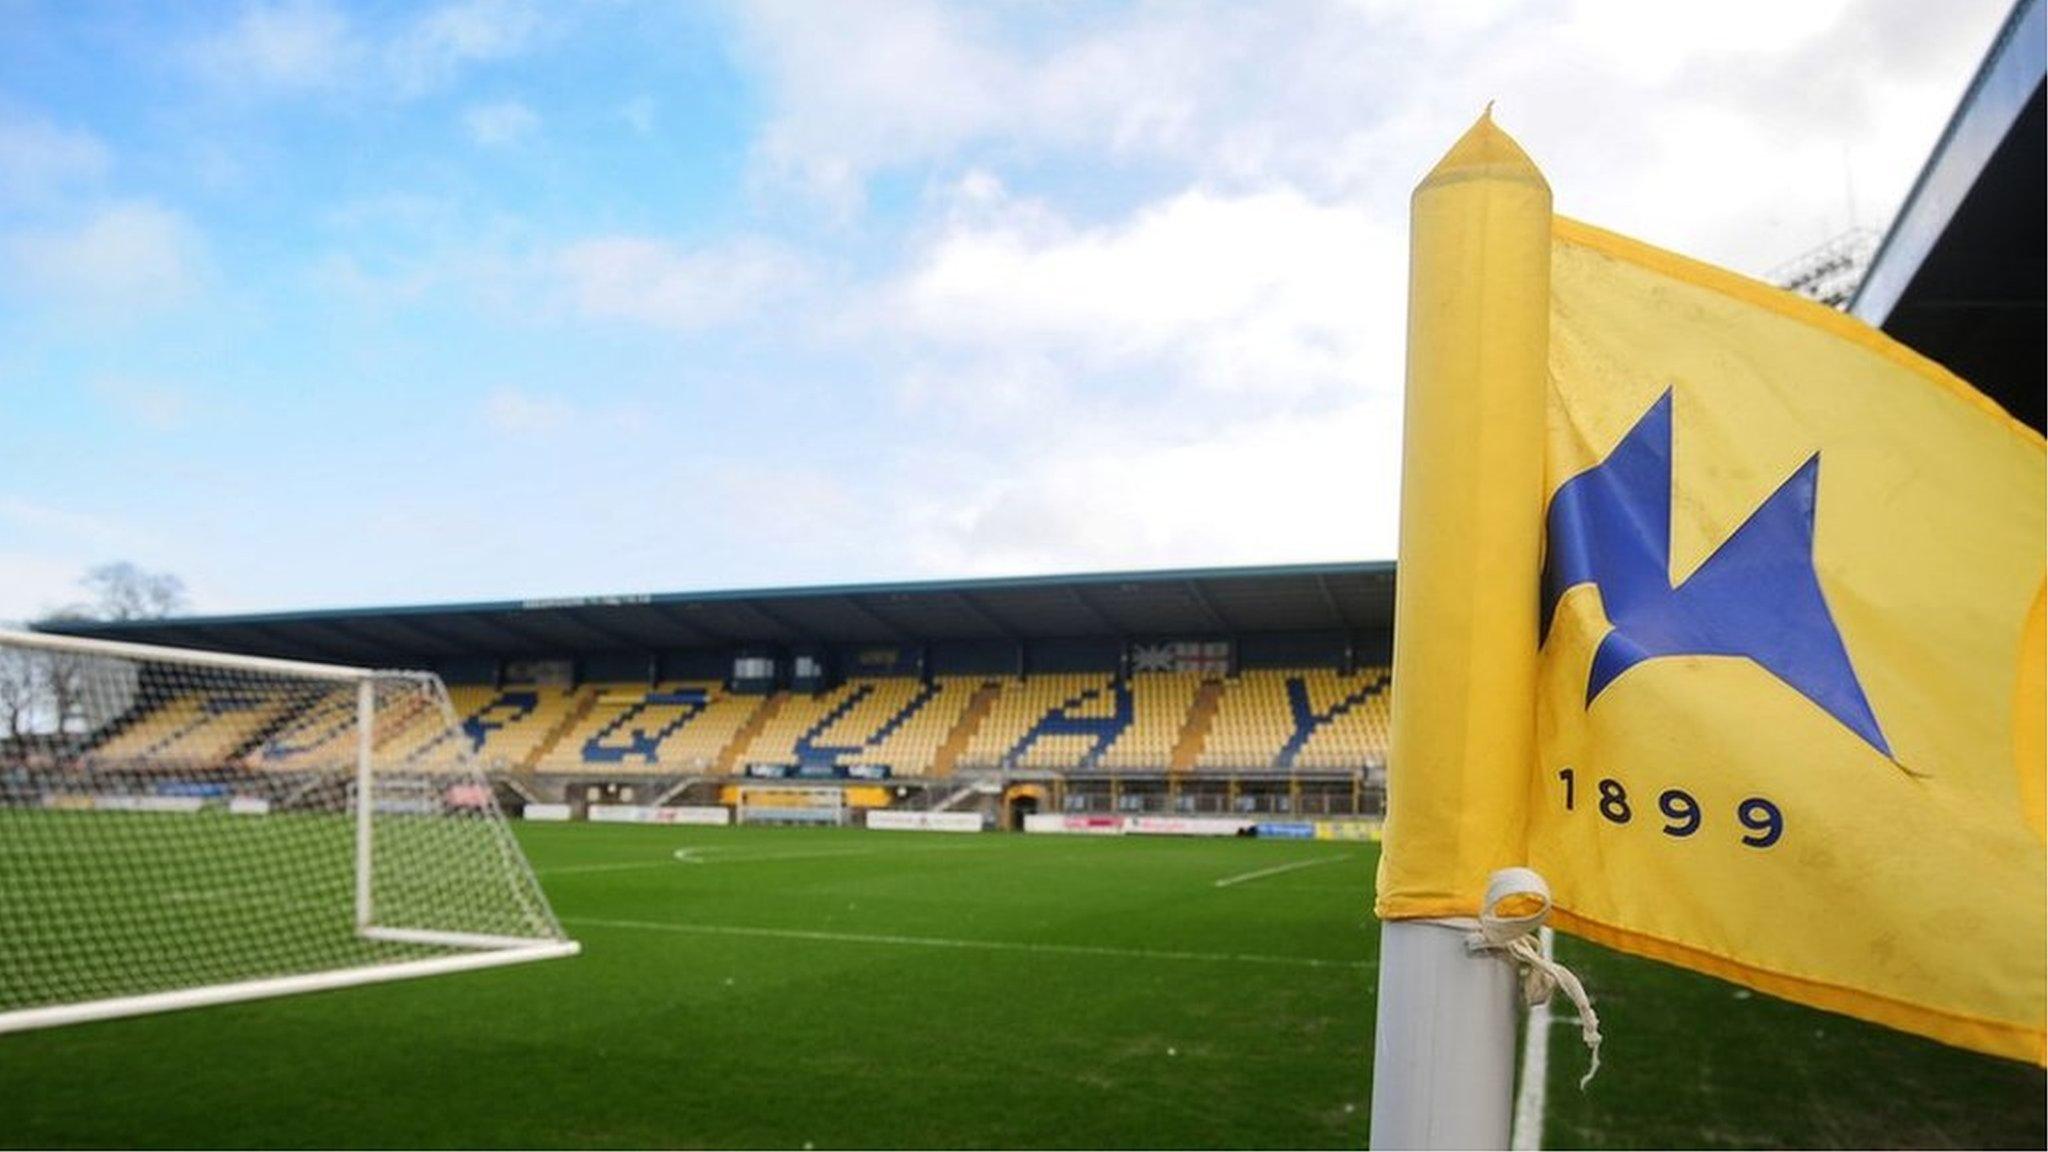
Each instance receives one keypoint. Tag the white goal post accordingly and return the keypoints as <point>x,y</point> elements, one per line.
<point>181,828</point>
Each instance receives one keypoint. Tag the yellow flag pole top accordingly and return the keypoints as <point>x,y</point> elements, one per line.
<point>1465,640</point>
<point>1465,617</point>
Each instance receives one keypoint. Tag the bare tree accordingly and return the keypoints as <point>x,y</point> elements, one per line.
<point>47,692</point>
<point>67,678</point>
<point>124,591</point>
<point>44,693</point>
<point>17,691</point>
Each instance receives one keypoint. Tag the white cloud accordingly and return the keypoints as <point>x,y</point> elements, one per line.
<point>500,123</point>
<point>300,45</point>
<point>523,414</point>
<point>153,404</point>
<point>647,281</point>
<point>47,547</point>
<point>859,87</point>
<point>32,518</point>
<point>1263,490</point>
<point>395,248</point>
<point>1726,130</point>
<point>1267,292</point>
<point>535,415</point>
<point>34,585</point>
<point>432,49</point>
<point>1212,378</point>
<point>124,259</point>
<point>309,45</point>
<point>1218,90</point>
<point>1657,42</point>
<point>51,547</point>
<point>39,160</point>
<point>638,113</point>
<point>383,286</point>
<point>399,251</point>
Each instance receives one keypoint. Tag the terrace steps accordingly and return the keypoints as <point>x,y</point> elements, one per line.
<point>1201,717</point>
<point>963,731</point>
<point>582,703</point>
<point>728,758</point>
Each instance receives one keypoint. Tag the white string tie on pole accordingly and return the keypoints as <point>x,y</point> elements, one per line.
<point>1513,935</point>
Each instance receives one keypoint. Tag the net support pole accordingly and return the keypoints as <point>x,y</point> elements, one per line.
<point>1465,640</point>
<point>366,804</point>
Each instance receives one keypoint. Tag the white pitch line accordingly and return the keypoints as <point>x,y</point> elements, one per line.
<point>973,945</point>
<point>689,856</point>
<point>1531,1098</point>
<point>577,869</point>
<point>1297,866</point>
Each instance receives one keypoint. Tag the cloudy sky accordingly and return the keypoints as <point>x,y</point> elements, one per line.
<point>321,304</point>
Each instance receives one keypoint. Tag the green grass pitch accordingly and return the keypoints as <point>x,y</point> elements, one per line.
<point>864,989</point>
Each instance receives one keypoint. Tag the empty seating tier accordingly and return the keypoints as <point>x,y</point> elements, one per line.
<point>1267,719</point>
<point>896,722</point>
<point>1300,718</point>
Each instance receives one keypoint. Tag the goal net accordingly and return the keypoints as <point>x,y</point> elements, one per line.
<point>181,828</point>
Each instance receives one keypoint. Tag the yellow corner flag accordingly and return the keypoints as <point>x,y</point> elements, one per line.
<point>1764,693</point>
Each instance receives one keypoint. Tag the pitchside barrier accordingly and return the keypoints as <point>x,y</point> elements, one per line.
<point>882,819</point>
<point>712,814</point>
<point>1096,824</point>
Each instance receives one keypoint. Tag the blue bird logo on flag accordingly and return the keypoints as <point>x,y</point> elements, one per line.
<point>1757,596</point>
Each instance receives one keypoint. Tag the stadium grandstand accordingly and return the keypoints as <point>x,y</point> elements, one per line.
<point>1252,692</point>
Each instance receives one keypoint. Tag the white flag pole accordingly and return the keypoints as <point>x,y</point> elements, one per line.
<point>1443,1069</point>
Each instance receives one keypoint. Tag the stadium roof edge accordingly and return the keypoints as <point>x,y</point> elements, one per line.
<point>1337,596</point>
<point>1960,275</point>
<point>892,587</point>
<point>1998,91</point>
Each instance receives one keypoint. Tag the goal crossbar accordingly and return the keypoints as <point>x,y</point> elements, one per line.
<point>198,657</point>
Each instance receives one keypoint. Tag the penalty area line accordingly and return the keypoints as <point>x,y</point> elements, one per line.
<point>972,945</point>
<point>1262,873</point>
